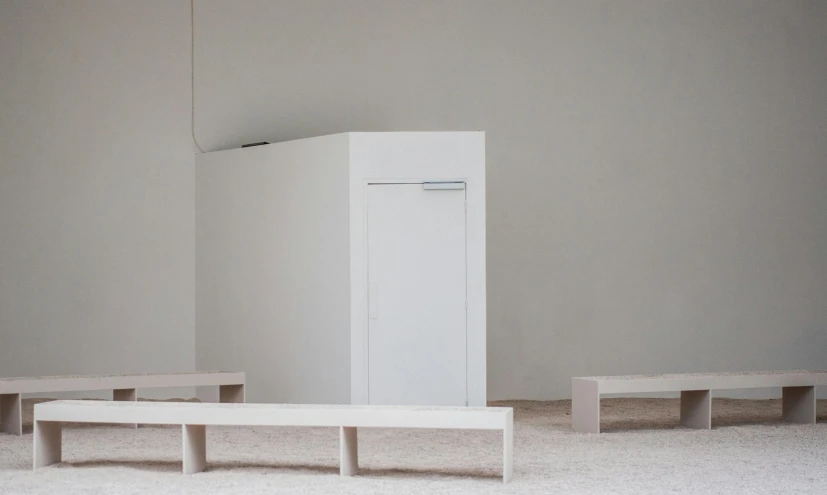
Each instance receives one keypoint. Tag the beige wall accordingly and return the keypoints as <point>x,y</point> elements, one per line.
<point>96,187</point>
<point>656,169</point>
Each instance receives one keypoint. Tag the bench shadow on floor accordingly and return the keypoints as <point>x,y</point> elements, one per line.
<point>176,466</point>
<point>430,473</point>
<point>154,466</point>
<point>618,415</point>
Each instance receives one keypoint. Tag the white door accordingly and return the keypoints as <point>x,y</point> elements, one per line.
<point>417,294</point>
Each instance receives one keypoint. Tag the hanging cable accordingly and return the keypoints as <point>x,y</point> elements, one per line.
<point>192,74</point>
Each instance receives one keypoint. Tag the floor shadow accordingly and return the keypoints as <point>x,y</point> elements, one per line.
<point>300,467</point>
<point>639,425</point>
<point>334,470</point>
<point>631,425</point>
<point>759,420</point>
<point>442,473</point>
<point>177,466</point>
<point>229,466</point>
<point>155,466</point>
<point>736,412</point>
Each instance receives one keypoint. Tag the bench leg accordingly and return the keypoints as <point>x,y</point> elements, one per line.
<point>585,406</point>
<point>195,448</point>
<point>348,451</point>
<point>11,414</point>
<point>696,409</point>
<point>48,442</point>
<point>798,405</point>
<point>126,394</point>
<point>508,448</point>
<point>231,393</point>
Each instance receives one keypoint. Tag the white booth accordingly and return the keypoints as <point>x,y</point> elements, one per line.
<point>347,268</point>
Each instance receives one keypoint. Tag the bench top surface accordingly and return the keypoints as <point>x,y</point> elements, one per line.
<point>241,414</point>
<point>185,406</point>
<point>736,374</point>
<point>73,383</point>
<point>109,375</point>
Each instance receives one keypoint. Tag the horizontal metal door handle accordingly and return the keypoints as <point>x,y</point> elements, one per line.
<point>443,185</point>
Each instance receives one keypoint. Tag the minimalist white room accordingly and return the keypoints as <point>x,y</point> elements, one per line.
<point>373,246</point>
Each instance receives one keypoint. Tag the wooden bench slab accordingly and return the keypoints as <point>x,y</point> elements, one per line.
<point>194,417</point>
<point>798,393</point>
<point>124,388</point>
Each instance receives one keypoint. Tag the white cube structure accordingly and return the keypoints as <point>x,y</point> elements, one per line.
<point>347,268</point>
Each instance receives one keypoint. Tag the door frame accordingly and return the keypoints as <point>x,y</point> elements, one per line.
<point>417,157</point>
<point>476,375</point>
<point>366,254</point>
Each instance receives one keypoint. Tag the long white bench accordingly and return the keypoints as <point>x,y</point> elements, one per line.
<point>194,417</point>
<point>124,388</point>
<point>798,396</point>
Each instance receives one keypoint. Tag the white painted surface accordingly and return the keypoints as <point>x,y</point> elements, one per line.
<point>96,188</point>
<point>125,394</point>
<point>84,411</point>
<point>585,406</point>
<point>798,393</point>
<point>655,169</point>
<point>696,409</point>
<point>348,451</point>
<point>272,285</point>
<point>11,413</point>
<point>47,439</point>
<point>49,417</point>
<point>194,440</point>
<point>282,253</point>
<point>671,223</point>
<point>417,279</point>
<point>232,393</point>
<point>392,157</point>
<point>124,388</point>
<point>69,383</point>
<point>508,447</point>
<point>705,381</point>
<point>798,405</point>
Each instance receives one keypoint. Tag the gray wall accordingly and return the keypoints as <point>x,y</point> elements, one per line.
<point>656,169</point>
<point>96,188</point>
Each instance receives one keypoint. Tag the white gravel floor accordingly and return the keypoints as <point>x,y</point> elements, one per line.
<point>642,450</point>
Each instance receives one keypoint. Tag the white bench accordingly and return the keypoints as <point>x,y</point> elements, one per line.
<point>194,417</point>
<point>124,388</point>
<point>798,396</point>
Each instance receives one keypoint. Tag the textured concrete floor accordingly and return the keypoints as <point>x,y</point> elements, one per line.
<point>642,450</point>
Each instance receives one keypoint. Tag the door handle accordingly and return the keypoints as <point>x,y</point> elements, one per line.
<point>443,185</point>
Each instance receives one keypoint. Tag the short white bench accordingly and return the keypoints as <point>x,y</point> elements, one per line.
<point>798,396</point>
<point>124,388</point>
<point>194,417</point>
